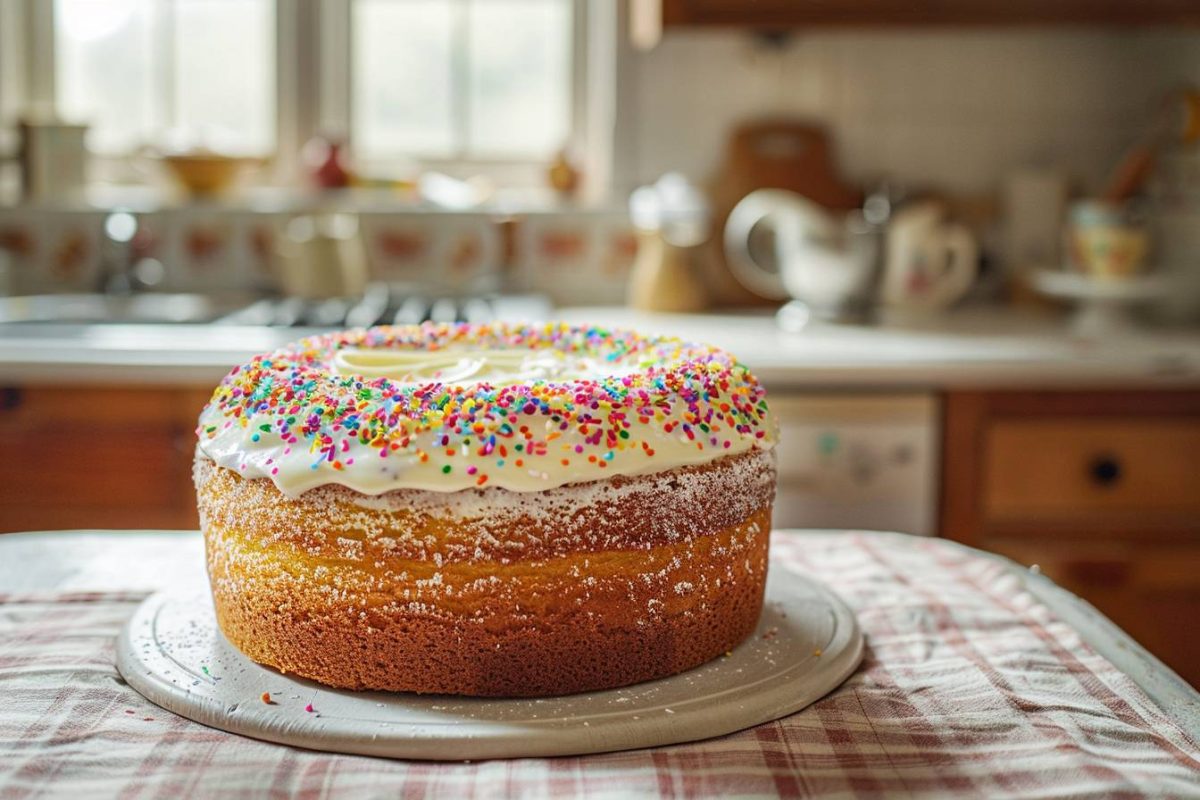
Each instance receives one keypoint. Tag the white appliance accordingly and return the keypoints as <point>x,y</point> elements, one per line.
<point>858,461</point>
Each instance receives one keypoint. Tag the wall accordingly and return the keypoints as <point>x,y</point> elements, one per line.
<point>956,109</point>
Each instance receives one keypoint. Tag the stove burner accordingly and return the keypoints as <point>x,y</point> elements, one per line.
<point>385,305</point>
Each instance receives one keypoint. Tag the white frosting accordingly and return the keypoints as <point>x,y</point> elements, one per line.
<point>466,366</point>
<point>550,452</point>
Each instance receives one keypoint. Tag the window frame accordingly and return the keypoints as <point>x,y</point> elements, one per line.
<point>166,90</point>
<point>336,90</point>
<point>36,88</point>
<point>313,92</point>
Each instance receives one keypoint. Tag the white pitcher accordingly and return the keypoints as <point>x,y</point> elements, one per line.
<point>930,263</point>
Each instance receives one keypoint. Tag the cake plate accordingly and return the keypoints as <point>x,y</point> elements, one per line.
<point>1104,306</point>
<point>806,644</point>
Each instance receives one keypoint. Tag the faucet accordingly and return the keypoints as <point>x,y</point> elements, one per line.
<point>122,272</point>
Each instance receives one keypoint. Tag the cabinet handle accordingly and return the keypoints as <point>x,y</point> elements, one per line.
<point>10,398</point>
<point>1105,470</point>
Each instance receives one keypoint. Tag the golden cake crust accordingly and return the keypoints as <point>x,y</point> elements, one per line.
<point>491,592</point>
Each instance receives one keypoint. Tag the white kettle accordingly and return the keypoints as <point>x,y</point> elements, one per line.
<point>825,262</point>
<point>930,263</point>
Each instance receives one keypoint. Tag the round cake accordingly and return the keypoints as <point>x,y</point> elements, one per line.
<point>489,510</point>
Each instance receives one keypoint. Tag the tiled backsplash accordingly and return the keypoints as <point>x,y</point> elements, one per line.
<point>443,251</point>
<point>581,258</point>
<point>202,249</point>
<point>955,109</point>
<point>574,256</point>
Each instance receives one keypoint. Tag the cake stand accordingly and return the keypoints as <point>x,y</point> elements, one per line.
<point>807,643</point>
<point>1104,306</point>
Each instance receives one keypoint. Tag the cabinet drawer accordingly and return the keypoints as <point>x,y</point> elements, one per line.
<point>1104,471</point>
<point>94,457</point>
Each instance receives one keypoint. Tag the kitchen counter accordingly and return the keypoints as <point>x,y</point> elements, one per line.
<point>975,348</point>
<point>981,679</point>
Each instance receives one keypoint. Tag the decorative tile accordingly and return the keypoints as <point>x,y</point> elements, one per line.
<point>577,258</point>
<point>442,250</point>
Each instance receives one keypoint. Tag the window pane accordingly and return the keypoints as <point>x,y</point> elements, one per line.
<point>520,77</point>
<point>402,98</point>
<point>225,73</point>
<point>104,69</point>
<point>135,69</point>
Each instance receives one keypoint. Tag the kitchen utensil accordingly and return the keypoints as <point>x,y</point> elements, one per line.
<point>807,642</point>
<point>773,154</point>
<point>321,256</point>
<point>663,277</point>
<point>53,159</point>
<point>1177,120</point>
<point>930,262</point>
<point>827,262</point>
<point>671,218</point>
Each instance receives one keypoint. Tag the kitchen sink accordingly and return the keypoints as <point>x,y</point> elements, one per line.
<point>148,308</point>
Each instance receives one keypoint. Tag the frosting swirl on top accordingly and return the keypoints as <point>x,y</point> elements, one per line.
<point>451,407</point>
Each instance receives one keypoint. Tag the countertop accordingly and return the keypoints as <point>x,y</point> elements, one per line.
<point>972,348</point>
<point>981,679</point>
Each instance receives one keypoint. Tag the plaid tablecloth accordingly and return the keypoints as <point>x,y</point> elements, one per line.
<point>971,686</point>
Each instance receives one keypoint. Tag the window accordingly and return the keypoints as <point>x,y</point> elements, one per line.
<point>153,71</point>
<point>493,86</point>
<point>461,79</point>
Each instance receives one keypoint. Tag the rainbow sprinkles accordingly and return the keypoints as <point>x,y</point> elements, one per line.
<point>452,407</point>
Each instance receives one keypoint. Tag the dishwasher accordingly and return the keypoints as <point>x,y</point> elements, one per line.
<point>858,461</point>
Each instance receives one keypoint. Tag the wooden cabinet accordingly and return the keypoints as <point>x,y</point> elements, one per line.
<point>782,14</point>
<point>1118,474</point>
<point>94,457</point>
<point>1100,489</point>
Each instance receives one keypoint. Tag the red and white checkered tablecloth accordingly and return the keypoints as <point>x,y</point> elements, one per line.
<point>971,686</point>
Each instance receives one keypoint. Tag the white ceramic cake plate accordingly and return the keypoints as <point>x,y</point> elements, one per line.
<point>806,644</point>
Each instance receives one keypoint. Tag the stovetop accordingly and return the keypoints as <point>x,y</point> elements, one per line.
<point>384,305</point>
